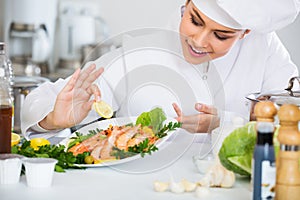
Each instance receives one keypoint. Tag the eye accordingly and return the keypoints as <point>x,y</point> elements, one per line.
<point>222,38</point>
<point>194,21</point>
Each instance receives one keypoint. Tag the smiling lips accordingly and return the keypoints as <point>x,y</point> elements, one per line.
<point>196,53</point>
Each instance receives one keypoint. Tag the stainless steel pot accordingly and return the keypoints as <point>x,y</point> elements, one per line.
<point>279,97</point>
<point>22,86</point>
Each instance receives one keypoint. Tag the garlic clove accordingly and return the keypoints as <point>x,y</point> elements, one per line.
<point>160,186</point>
<point>202,192</point>
<point>188,186</point>
<point>205,181</point>
<point>217,175</point>
<point>177,187</point>
<point>228,180</point>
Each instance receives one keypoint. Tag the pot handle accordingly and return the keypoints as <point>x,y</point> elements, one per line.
<point>291,85</point>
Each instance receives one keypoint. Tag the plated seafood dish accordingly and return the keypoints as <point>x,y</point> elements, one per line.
<point>113,140</point>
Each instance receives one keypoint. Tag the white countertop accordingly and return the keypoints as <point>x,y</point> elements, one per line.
<point>131,180</point>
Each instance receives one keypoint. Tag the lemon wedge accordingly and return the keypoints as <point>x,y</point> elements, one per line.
<point>103,109</point>
<point>103,161</point>
<point>15,139</point>
<point>35,143</point>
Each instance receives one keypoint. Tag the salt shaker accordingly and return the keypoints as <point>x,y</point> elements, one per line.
<point>287,164</point>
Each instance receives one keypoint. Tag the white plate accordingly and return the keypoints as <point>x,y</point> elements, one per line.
<point>116,121</point>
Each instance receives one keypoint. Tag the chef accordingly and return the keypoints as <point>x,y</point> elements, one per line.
<point>198,73</point>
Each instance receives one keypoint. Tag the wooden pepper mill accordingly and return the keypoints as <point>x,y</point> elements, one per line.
<point>287,164</point>
<point>265,111</point>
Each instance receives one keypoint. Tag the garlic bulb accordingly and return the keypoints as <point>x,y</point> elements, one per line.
<point>205,181</point>
<point>228,179</point>
<point>160,186</point>
<point>177,187</point>
<point>218,176</point>
<point>188,186</point>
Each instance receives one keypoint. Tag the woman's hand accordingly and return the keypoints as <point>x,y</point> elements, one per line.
<point>204,122</point>
<point>73,102</point>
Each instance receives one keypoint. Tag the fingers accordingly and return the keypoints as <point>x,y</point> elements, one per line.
<point>71,83</point>
<point>91,78</point>
<point>190,119</point>
<point>191,123</point>
<point>93,89</point>
<point>202,108</point>
<point>87,77</point>
<point>177,109</point>
<point>206,109</point>
<point>200,123</point>
<point>84,75</point>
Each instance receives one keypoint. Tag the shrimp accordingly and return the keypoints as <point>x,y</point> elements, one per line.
<point>88,144</point>
<point>140,138</point>
<point>109,143</point>
<point>96,152</point>
<point>122,139</point>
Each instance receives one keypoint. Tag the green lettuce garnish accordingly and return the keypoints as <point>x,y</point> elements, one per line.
<point>154,118</point>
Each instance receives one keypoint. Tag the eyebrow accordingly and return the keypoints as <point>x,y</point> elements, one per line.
<point>218,30</point>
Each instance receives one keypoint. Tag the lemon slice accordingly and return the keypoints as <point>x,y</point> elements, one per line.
<point>35,143</point>
<point>103,161</point>
<point>15,139</point>
<point>103,109</point>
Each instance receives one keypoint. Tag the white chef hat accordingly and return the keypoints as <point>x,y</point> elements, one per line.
<point>257,15</point>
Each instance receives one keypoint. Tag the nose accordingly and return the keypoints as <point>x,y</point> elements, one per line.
<point>201,38</point>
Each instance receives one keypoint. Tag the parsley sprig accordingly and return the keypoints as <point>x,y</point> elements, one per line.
<point>143,148</point>
<point>65,159</point>
<point>167,128</point>
<point>121,154</point>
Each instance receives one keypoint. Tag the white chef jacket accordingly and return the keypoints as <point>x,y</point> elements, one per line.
<point>149,71</point>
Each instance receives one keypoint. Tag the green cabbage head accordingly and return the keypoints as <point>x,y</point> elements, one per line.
<point>236,152</point>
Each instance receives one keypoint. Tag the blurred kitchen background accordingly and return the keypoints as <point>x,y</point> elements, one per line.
<point>50,38</point>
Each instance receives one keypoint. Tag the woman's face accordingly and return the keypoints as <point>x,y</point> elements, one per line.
<point>203,39</point>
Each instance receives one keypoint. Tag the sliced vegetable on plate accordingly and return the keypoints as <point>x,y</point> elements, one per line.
<point>103,109</point>
<point>15,139</point>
